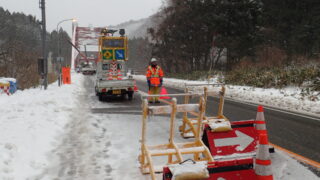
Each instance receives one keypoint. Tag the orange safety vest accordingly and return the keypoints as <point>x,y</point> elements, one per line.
<point>154,74</point>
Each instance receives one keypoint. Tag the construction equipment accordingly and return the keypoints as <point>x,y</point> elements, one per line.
<point>241,153</point>
<point>230,153</point>
<point>173,150</point>
<point>112,79</point>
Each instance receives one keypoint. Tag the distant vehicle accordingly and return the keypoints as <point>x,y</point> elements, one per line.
<point>88,69</point>
<point>111,78</point>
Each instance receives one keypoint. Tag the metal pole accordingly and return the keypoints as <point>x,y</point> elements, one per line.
<point>44,33</point>
<point>59,49</point>
<point>58,58</point>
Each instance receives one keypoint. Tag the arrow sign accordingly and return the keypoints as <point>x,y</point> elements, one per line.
<point>119,54</point>
<point>242,140</point>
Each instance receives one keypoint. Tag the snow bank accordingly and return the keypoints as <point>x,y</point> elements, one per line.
<point>30,121</point>
<point>286,99</point>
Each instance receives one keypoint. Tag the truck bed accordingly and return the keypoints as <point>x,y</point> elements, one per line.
<point>115,84</point>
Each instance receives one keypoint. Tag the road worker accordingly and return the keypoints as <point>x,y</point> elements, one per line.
<point>154,78</point>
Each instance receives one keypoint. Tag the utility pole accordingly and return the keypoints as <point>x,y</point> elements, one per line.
<point>44,33</point>
<point>59,58</point>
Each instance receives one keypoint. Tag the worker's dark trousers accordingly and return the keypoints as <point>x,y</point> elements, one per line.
<point>153,91</point>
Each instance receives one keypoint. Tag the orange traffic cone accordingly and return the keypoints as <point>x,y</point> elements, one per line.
<point>262,166</point>
<point>135,88</point>
<point>260,121</point>
<point>164,92</point>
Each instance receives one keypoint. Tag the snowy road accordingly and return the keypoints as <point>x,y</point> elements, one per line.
<point>65,133</point>
<point>84,147</point>
<point>101,142</point>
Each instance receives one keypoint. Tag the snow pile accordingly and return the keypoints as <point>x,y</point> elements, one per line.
<point>284,167</point>
<point>286,99</point>
<point>30,122</point>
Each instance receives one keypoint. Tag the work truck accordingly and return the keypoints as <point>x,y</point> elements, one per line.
<point>112,78</point>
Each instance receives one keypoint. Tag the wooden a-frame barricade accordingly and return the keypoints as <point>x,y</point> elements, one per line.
<point>172,150</point>
<point>189,128</point>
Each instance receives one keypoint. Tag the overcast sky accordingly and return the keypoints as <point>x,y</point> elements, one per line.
<point>87,12</point>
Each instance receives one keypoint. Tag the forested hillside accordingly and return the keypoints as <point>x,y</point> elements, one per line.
<point>263,43</point>
<point>20,47</point>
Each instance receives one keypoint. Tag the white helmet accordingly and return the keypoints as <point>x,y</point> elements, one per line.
<point>153,60</point>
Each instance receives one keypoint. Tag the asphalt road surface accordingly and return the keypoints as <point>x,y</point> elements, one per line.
<point>294,132</point>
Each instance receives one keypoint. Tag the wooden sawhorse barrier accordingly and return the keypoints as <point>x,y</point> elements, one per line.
<point>172,150</point>
<point>189,128</point>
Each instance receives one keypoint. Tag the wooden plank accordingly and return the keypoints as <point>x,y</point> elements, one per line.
<point>187,107</point>
<point>172,118</point>
<point>162,152</point>
<point>160,146</point>
<point>157,169</point>
<point>160,109</point>
<point>192,150</point>
<point>151,166</point>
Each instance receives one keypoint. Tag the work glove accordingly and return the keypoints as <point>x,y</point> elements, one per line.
<point>149,83</point>
<point>160,82</point>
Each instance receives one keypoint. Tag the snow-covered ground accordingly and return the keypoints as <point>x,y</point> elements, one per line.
<point>289,99</point>
<point>30,122</point>
<point>54,134</point>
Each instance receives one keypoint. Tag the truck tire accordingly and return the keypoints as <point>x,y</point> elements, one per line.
<point>100,97</point>
<point>96,91</point>
<point>130,95</point>
<point>123,96</point>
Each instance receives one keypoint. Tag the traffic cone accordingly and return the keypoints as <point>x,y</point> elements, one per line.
<point>262,166</point>
<point>135,88</point>
<point>164,92</point>
<point>260,121</point>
